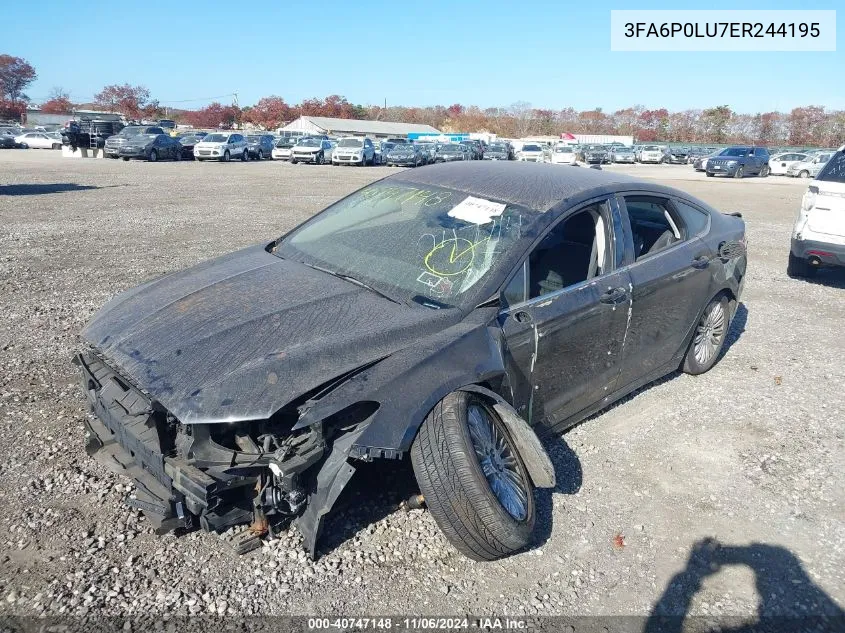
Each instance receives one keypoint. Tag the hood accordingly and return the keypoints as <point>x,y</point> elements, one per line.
<point>239,337</point>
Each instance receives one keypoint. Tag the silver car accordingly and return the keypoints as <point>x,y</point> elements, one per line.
<point>811,167</point>
<point>312,150</point>
<point>354,151</point>
<point>222,146</point>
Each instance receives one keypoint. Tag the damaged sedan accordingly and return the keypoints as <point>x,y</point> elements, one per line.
<point>449,316</point>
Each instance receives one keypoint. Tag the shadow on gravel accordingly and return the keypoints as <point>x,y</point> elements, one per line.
<point>788,599</point>
<point>375,491</point>
<point>737,327</point>
<point>568,478</point>
<point>831,277</point>
<point>36,190</point>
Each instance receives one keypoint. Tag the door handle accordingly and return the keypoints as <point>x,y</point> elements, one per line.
<point>614,296</point>
<point>701,262</point>
<point>522,317</point>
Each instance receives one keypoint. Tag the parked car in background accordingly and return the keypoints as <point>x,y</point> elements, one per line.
<point>406,155</point>
<point>38,140</point>
<point>698,152</point>
<point>429,150</point>
<point>168,125</point>
<point>594,154</point>
<point>222,146</point>
<point>312,150</point>
<point>780,163</point>
<point>382,149</point>
<point>622,154</point>
<point>810,167</point>
<point>283,150</point>
<point>818,236</point>
<point>739,161</point>
<point>652,154</point>
<point>354,151</point>
<point>563,155</point>
<point>451,152</point>
<point>152,147</point>
<point>475,147</point>
<point>114,143</point>
<point>260,146</point>
<point>531,152</point>
<point>497,151</point>
<point>188,142</point>
<point>7,139</point>
<point>677,155</point>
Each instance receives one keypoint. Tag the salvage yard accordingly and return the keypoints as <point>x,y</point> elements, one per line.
<point>742,468</point>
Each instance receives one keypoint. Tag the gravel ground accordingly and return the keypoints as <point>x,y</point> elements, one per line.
<point>749,455</point>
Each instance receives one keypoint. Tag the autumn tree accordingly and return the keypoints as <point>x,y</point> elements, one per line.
<point>58,103</point>
<point>15,75</point>
<point>715,122</point>
<point>131,101</point>
<point>214,115</point>
<point>806,125</point>
<point>269,113</point>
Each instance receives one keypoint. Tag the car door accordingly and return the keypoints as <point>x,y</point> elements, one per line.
<point>762,157</point>
<point>566,334</point>
<point>671,281</point>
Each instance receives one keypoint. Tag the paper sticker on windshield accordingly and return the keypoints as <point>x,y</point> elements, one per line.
<point>476,210</point>
<point>429,279</point>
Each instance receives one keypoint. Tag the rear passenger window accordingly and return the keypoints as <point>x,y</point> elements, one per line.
<point>694,220</point>
<point>834,171</point>
<point>653,227</point>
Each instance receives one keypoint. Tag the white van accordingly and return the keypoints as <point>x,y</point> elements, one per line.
<point>818,237</point>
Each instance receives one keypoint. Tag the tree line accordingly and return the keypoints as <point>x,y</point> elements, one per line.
<point>811,125</point>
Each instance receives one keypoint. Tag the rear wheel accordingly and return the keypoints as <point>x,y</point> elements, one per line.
<point>57,146</point>
<point>245,155</point>
<point>473,479</point>
<point>709,337</point>
<point>153,156</point>
<point>799,267</point>
<point>764,171</point>
<point>260,155</point>
<point>738,173</point>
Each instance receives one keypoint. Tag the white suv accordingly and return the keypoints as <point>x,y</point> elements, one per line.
<point>354,151</point>
<point>818,237</point>
<point>222,146</point>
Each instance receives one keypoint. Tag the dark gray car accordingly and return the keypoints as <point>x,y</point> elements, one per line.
<point>114,143</point>
<point>740,161</point>
<point>260,146</point>
<point>448,314</point>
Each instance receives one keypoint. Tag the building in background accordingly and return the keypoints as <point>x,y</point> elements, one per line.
<point>33,117</point>
<point>305,125</point>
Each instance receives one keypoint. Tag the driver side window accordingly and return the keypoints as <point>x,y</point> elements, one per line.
<point>575,250</point>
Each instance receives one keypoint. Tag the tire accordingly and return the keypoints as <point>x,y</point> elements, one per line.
<point>764,171</point>
<point>319,159</point>
<point>126,158</point>
<point>709,175</point>
<point>456,489</point>
<point>739,172</point>
<point>260,155</point>
<point>177,155</point>
<point>798,267</point>
<point>226,156</point>
<point>709,337</point>
<point>804,174</point>
<point>57,146</point>
<point>24,146</point>
<point>293,161</point>
<point>153,157</point>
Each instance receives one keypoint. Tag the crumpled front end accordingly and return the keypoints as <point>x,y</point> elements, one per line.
<point>213,476</point>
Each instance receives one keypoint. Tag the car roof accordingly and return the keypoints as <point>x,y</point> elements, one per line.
<point>530,185</point>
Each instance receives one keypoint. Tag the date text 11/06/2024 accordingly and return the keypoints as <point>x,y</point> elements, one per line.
<point>417,624</point>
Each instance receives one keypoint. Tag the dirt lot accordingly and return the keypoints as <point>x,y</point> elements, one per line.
<point>749,455</point>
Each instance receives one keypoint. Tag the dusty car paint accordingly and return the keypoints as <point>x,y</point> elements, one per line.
<point>246,350</point>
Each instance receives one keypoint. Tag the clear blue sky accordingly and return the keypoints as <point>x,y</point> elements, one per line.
<point>551,54</point>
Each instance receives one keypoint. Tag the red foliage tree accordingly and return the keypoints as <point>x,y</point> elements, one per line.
<point>269,113</point>
<point>15,75</point>
<point>58,103</point>
<point>130,101</point>
<point>213,116</point>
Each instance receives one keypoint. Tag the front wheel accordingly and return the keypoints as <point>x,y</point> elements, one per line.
<point>709,175</point>
<point>738,173</point>
<point>57,146</point>
<point>472,478</point>
<point>226,156</point>
<point>804,174</point>
<point>709,337</point>
<point>764,171</point>
<point>153,156</point>
<point>260,155</point>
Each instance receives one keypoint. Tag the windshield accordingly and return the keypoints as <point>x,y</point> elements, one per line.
<point>734,151</point>
<point>407,240</point>
<point>253,139</point>
<point>450,149</point>
<point>651,148</point>
<point>284,143</point>
<point>131,130</point>
<point>310,142</point>
<point>834,170</point>
<point>563,149</point>
<point>623,150</point>
<point>531,148</point>
<point>216,138</point>
<point>496,147</point>
<point>350,142</point>
<point>594,148</point>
